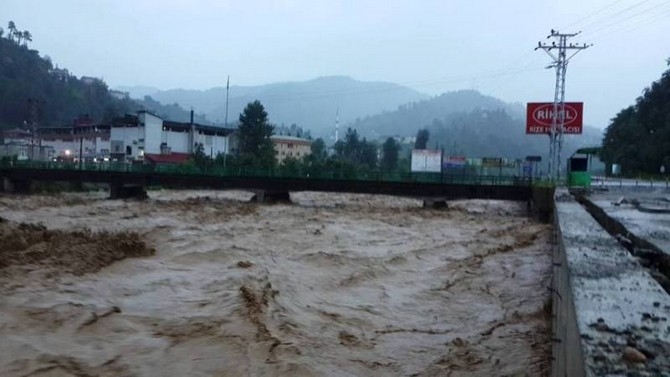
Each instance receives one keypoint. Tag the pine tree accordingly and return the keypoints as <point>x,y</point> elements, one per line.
<point>255,143</point>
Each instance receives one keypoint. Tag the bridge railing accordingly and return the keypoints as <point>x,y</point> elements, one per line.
<point>237,172</point>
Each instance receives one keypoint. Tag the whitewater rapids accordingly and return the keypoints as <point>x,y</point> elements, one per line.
<point>331,285</point>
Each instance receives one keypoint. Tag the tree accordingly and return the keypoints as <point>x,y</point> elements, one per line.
<point>422,139</point>
<point>367,154</point>
<point>638,138</point>
<point>356,152</point>
<point>2,31</point>
<point>349,149</point>
<point>390,151</point>
<point>11,29</point>
<point>254,135</point>
<point>318,151</point>
<point>199,156</point>
<point>19,36</point>
<point>291,165</point>
<point>27,37</point>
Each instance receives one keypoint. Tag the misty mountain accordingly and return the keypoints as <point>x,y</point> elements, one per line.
<point>468,123</point>
<point>310,104</point>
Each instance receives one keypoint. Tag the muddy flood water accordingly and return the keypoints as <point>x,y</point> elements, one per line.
<point>203,283</point>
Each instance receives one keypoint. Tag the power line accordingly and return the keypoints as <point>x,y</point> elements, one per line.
<point>501,81</point>
<point>607,26</point>
<point>593,14</point>
<point>631,27</point>
<point>613,15</point>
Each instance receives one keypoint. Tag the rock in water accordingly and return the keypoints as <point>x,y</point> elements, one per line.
<point>632,355</point>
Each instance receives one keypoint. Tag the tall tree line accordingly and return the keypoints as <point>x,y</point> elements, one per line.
<point>20,37</point>
<point>638,137</point>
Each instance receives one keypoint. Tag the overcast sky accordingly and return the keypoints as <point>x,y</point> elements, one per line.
<point>431,46</point>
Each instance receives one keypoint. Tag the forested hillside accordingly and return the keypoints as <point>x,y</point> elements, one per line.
<point>638,138</point>
<point>469,123</point>
<point>412,116</point>
<point>33,90</point>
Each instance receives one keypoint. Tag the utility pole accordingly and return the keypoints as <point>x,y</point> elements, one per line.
<point>227,93</point>
<point>225,152</point>
<point>337,125</point>
<point>33,102</point>
<point>558,117</point>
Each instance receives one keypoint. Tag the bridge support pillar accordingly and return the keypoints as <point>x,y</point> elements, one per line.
<point>543,200</point>
<point>15,186</point>
<point>121,191</point>
<point>435,203</point>
<point>269,196</point>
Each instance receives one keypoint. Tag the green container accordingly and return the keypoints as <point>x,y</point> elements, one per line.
<point>579,179</point>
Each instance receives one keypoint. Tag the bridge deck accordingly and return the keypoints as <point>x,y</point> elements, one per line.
<point>414,185</point>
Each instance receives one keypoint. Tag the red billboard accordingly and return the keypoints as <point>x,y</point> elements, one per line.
<point>540,115</point>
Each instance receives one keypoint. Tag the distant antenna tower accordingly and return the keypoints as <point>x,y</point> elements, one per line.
<point>337,125</point>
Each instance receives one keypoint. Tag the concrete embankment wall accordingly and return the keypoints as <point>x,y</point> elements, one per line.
<point>610,315</point>
<point>566,348</point>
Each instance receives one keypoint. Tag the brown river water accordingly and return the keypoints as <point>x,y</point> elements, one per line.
<point>203,283</point>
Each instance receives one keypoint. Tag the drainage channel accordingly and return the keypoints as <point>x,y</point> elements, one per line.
<point>648,255</point>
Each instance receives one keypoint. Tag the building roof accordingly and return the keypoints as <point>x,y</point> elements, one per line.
<point>185,126</point>
<point>126,119</point>
<point>172,158</point>
<point>15,133</point>
<point>16,143</point>
<point>589,150</point>
<point>293,139</point>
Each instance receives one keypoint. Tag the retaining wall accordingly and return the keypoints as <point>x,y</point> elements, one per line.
<point>606,306</point>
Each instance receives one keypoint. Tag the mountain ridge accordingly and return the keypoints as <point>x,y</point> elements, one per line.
<point>301,102</point>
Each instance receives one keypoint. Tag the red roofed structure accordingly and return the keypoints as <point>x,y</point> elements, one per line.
<point>162,159</point>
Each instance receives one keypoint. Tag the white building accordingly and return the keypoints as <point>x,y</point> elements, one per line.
<point>135,136</point>
<point>58,142</point>
<point>128,139</point>
<point>26,151</point>
<point>90,141</point>
<point>16,135</point>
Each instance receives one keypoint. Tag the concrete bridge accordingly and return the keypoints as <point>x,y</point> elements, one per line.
<point>127,181</point>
